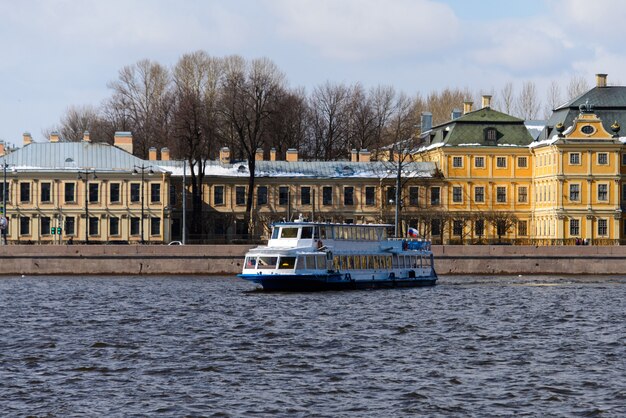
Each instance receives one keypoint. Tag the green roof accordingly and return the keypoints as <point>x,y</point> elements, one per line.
<point>471,129</point>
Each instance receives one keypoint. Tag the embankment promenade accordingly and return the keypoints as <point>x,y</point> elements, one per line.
<point>227,259</point>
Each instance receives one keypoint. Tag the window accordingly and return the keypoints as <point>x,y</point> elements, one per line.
<point>574,158</point>
<point>479,162</point>
<point>155,226</point>
<point>114,226</point>
<point>501,194</point>
<point>522,228</point>
<point>94,224</point>
<point>603,192</point>
<point>24,225</point>
<point>491,135</point>
<point>283,195</point>
<point>574,192</point>
<point>501,162</point>
<point>623,192</point>
<point>7,194</point>
<point>479,194</point>
<point>457,194</point>
<point>70,225</point>
<point>305,195</point>
<point>45,194</point>
<point>522,194</point>
<point>623,159</point>
<point>218,195</point>
<point>155,192</point>
<point>370,196</point>
<point>70,192</point>
<point>24,192</point>
<point>134,192</point>
<point>457,227</point>
<point>574,227</point>
<point>134,225</point>
<point>114,193</point>
<point>603,158</point>
<point>94,189</point>
<point>261,195</point>
<point>522,162</point>
<point>435,193</point>
<point>479,227</point>
<point>435,227</point>
<point>327,195</point>
<point>603,227</point>
<point>414,193</point>
<point>457,162</point>
<point>391,195</point>
<point>348,196</point>
<point>172,195</point>
<point>240,195</point>
<point>45,225</point>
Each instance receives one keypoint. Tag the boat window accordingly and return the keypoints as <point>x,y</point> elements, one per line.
<point>300,264</point>
<point>307,232</point>
<point>388,262</point>
<point>401,261</point>
<point>336,263</point>
<point>267,263</point>
<point>376,262</point>
<point>321,262</point>
<point>250,262</point>
<point>323,233</point>
<point>310,261</point>
<point>275,231</point>
<point>287,262</point>
<point>316,232</point>
<point>289,232</point>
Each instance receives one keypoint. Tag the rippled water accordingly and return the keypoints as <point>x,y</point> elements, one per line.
<point>207,346</point>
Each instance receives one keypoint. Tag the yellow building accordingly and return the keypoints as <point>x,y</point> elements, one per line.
<point>57,192</point>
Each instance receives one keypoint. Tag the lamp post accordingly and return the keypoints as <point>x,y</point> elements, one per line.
<point>137,169</point>
<point>4,222</point>
<point>84,175</point>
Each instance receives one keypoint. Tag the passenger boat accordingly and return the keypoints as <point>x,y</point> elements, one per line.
<point>307,256</point>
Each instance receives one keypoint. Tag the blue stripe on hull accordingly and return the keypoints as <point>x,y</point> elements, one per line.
<point>331,282</point>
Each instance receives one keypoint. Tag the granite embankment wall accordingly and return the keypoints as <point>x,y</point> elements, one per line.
<point>227,259</point>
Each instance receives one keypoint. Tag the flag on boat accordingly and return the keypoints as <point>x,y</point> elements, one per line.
<point>413,232</point>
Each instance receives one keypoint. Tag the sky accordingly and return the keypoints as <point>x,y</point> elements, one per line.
<point>61,53</point>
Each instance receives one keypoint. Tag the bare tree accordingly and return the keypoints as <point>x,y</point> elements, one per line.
<point>250,94</point>
<point>140,99</point>
<point>329,121</point>
<point>441,104</point>
<point>507,98</point>
<point>502,221</point>
<point>577,85</point>
<point>288,128</point>
<point>527,103</point>
<point>553,98</point>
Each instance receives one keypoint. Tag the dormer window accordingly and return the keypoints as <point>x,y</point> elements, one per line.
<point>491,135</point>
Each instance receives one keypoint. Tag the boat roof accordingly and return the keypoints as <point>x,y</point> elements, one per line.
<point>306,223</point>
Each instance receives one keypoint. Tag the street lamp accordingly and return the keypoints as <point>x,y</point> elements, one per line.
<point>137,169</point>
<point>84,175</point>
<point>4,222</point>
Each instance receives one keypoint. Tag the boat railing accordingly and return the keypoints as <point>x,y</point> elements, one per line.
<point>414,244</point>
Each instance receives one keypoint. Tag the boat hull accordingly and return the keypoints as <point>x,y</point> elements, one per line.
<point>314,282</point>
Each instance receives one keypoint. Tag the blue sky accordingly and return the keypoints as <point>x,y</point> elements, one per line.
<point>58,53</point>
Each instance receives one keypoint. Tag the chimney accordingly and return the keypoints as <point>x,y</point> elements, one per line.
<point>426,120</point>
<point>364,156</point>
<point>27,138</point>
<point>152,154</point>
<point>224,155</point>
<point>165,154</point>
<point>456,113</point>
<point>354,156</point>
<point>86,137</point>
<point>258,156</point>
<point>292,155</point>
<point>124,140</point>
<point>601,80</point>
<point>2,149</point>
<point>54,136</point>
<point>273,154</point>
<point>486,100</point>
<point>467,107</point>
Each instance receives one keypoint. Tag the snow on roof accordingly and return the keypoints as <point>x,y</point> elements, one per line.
<point>544,142</point>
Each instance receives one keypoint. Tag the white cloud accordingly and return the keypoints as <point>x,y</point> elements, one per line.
<point>367,29</point>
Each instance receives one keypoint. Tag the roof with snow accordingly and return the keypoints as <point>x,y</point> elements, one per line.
<point>73,156</point>
<point>471,130</point>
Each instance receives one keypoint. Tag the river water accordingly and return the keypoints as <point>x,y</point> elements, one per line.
<point>213,346</point>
